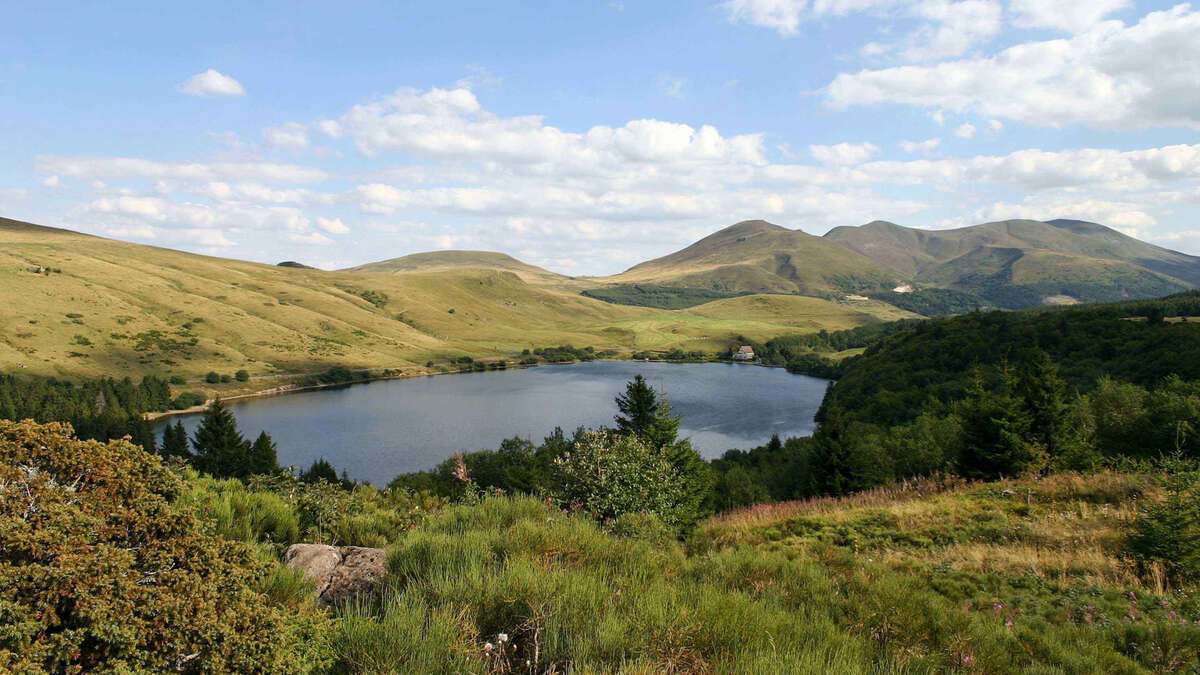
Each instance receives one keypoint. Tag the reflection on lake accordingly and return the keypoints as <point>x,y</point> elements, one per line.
<point>378,430</point>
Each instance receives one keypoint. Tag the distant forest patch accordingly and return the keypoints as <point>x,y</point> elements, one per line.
<point>662,297</point>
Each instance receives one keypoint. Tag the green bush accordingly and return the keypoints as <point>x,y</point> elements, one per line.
<point>1166,533</point>
<point>242,376</point>
<point>610,475</point>
<point>212,377</point>
<point>188,399</point>
<point>99,571</point>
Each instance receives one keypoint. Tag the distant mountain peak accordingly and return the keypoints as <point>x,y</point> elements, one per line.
<point>748,227</point>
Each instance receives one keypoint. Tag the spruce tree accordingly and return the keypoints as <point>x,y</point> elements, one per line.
<point>639,408</point>
<point>1045,396</point>
<point>263,456</point>
<point>220,449</point>
<point>175,441</point>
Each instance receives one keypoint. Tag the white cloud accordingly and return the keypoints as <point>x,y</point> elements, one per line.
<point>50,181</point>
<point>290,136</point>
<point>843,153</point>
<point>781,15</point>
<point>330,128</point>
<point>309,239</point>
<point>952,29</point>
<point>965,130</point>
<point>921,147</point>
<point>111,168</point>
<point>1124,215</point>
<point>1110,76</point>
<point>332,225</point>
<point>211,83</point>
<point>995,125</point>
<point>1070,16</point>
<point>451,124</point>
<point>673,87</point>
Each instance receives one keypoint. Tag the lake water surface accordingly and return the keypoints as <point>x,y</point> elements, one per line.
<point>378,430</point>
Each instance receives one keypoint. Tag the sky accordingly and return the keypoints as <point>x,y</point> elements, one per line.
<point>588,136</point>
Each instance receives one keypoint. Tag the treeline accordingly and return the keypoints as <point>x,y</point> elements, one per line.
<point>803,353</point>
<point>662,297</point>
<point>98,409</point>
<point>931,362</point>
<point>637,466</point>
<point>935,301</point>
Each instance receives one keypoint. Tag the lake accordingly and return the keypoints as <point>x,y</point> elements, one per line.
<point>380,429</point>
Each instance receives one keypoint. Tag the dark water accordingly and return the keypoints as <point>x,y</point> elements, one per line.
<point>378,430</point>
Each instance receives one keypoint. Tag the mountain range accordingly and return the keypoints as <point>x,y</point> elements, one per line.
<point>78,304</point>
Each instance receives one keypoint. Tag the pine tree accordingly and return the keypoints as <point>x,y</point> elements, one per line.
<point>646,416</point>
<point>175,441</point>
<point>220,448</point>
<point>320,470</point>
<point>1045,397</point>
<point>263,458</point>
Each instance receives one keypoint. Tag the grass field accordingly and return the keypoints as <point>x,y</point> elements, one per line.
<point>936,576</point>
<point>77,305</point>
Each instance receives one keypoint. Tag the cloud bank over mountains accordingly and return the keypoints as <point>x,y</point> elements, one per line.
<point>432,167</point>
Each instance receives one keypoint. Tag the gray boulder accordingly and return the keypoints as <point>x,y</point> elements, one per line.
<point>338,574</point>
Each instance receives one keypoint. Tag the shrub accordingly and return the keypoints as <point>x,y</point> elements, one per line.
<point>188,399</point>
<point>100,572</point>
<point>242,376</point>
<point>610,475</point>
<point>177,380</point>
<point>212,377</point>
<point>1167,533</point>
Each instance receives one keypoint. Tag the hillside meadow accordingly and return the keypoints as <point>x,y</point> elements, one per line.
<point>83,306</point>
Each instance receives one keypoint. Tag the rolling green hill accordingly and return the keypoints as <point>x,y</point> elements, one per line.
<point>79,305</point>
<point>1022,263</point>
<point>759,257</point>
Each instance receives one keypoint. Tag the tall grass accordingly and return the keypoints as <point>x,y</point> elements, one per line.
<point>1009,577</point>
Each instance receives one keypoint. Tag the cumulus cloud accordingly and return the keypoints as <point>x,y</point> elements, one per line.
<point>1065,15</point>
<point>332,225</point>
<point>211,83</point>
<point>965,130</point>
<point>50,181</point>
<point>843,153</point>
<point>921,147</point>
<point>291,136</point>
<point>1112,75</point>
<point>451,124</point>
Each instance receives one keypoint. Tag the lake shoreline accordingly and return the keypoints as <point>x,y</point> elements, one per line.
<point>285,389</point>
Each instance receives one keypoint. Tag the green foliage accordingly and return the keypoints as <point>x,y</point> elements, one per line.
<point>97,409</point>
<point>188,399</point>
<point>610,475</point>
<point>212,377</point>
<point>935,301</point>
<point>1166,533</point>
<point>242,376</point>
<point>662,297</point>
<point>175,441</point>
<point>565,354</point>
<point>101,572</point>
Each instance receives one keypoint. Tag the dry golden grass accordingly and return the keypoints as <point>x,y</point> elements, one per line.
<point>109,307</point>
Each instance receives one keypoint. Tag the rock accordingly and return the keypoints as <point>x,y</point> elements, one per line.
<point>338,574</point>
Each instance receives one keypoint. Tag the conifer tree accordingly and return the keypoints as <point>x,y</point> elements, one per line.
<point>1045,395</point>
<point>263,455</point>
<point>220,448</point>
<point>175,441</point>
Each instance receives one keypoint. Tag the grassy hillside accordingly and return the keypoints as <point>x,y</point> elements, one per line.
<point>78,305</point>
<point>759,257</point>
<point>1021,263</point>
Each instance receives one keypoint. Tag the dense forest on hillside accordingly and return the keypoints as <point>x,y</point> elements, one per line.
<point>662,297</point>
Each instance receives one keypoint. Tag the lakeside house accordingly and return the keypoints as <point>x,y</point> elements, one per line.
<point>744,353</point>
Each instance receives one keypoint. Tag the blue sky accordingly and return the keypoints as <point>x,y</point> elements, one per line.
<point>586,137</point>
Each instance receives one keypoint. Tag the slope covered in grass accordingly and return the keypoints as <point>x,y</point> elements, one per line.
<point>1007,577</point>
<point>78,305</point>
